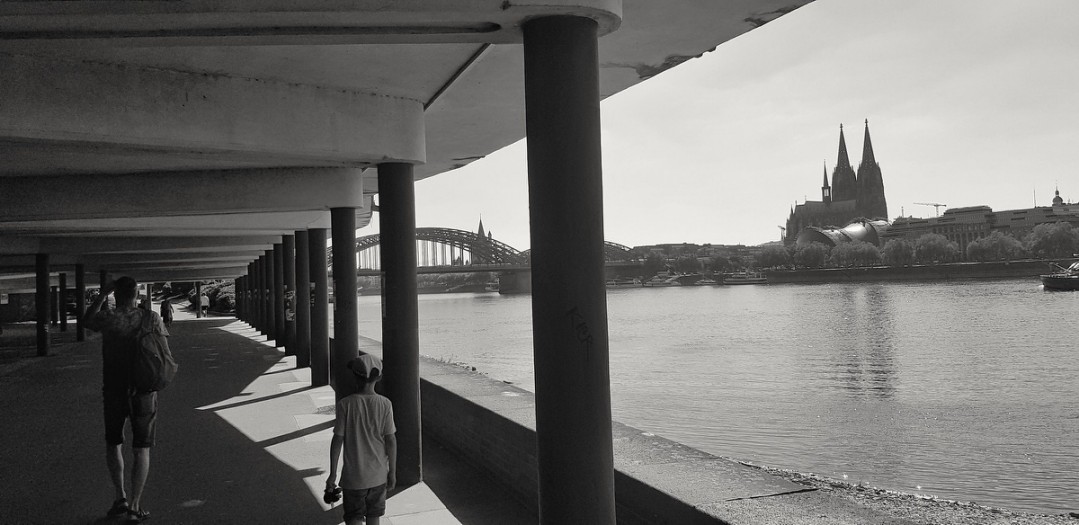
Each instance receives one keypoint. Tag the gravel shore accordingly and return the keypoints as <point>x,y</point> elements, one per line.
<point>921,509</point>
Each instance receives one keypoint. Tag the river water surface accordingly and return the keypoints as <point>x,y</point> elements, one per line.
<point>962,390</point>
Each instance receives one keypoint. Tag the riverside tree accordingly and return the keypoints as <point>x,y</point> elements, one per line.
<point>1058,239</point>
<point>811,255</point>
<point>996,246</point>
<point>898,252</point>
<point>855,253</point>
<point>773,255</point>
<point>935,248</point>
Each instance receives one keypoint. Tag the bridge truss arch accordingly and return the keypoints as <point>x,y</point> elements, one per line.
<point>479,249</point>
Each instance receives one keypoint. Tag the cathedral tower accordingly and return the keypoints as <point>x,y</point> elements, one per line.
<point>844,181</point>
<point>870,196</point>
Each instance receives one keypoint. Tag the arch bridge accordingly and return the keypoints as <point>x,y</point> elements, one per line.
<point>450,247</point>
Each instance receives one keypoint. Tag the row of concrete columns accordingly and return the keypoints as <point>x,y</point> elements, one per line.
<point>569,310</point>
<point>51,305</point>
<point>569,313</point>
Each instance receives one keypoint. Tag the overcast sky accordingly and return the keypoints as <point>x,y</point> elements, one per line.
<point>969,102</point>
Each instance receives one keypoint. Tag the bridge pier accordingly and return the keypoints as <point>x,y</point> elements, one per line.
<point>569,302</point>
<point>346,326</point>
<point>400,321</point>
<point>320,318</point>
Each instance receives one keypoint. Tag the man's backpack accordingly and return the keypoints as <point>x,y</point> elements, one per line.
<point>152,366</point>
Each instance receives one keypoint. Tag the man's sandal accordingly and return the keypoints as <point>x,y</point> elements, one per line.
<point>119,507</point>
<point>137,516</point>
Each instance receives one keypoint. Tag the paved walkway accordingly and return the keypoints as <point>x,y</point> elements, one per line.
<point>242,438</point>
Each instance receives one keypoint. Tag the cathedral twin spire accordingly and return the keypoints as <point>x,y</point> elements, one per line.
<point>866,186</point>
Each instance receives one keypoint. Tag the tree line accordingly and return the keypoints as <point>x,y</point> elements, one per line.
<point>1049,240</point>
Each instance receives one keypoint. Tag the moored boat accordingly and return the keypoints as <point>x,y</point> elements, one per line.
<point>745,277</point>
<point>1065,279</point>
<point>623,283</point>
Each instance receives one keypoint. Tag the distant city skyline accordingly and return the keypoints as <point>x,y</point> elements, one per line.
<point>968,104</point>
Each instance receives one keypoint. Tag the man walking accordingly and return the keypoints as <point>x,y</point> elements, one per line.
<point>119,339</point>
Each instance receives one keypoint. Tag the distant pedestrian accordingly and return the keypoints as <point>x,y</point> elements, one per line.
<point>364,429</point>
<point>166,312</point>
<point>119,339</point>
<point>204,303</point>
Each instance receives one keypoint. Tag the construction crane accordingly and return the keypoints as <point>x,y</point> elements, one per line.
<point>936,206</point>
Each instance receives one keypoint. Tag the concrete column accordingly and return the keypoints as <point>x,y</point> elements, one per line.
<point>198,300</point>
<point>238,307</point>
<point>303,301</point>
<point>269,280</point>
<point>63,301</point>
<point>569,302</point>
<point>54,305</point>
<point>41,303</point>
<point>346,324</point>
<point>320,312</point>
<point>80,301</point>
<point>288,243</point>
<point>400,317</point>
<point>258,298</point>
<point>279,294</point>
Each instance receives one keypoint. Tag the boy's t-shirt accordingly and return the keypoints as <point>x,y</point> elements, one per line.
<point>364,420</point>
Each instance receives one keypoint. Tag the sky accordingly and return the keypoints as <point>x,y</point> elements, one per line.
<point>969,102</point>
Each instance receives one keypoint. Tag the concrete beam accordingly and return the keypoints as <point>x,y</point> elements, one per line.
<point>122,243</point>
<point>206,120</point>
<point>58,24</point>
<point>189,194</point>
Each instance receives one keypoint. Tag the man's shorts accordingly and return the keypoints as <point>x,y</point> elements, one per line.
<point>141,408</point>
<point>365,503</point>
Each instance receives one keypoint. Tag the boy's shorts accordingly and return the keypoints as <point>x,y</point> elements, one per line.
<point>141,408</point>
<point>365,503</point>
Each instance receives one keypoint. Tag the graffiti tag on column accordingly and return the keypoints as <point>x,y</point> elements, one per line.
<point>580,327</point>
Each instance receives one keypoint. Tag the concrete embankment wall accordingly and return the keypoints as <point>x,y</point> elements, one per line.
<point>491,425</point>
<point>985,270</point>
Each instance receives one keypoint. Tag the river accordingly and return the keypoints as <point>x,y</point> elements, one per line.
<point>962,390</point>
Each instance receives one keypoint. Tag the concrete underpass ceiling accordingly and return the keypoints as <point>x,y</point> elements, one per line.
<point>177,92</point>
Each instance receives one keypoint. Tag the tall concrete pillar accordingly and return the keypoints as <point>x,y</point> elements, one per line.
<point>260,297</point>
<point>279,294</point>
<point>400,318</point>
<point>569,302</point>
<point>320,312</point>
<point>288,243</point>
<point>303,300</point>
<point>271,300</point>
<point>63,301</point>
<point>238,307</point>
<point>54,305</point>
<point>346,324</point>
<point>80,301</point>
<point>41,303</point>
<point>198,300</point>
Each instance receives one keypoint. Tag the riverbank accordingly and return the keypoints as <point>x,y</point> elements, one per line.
<point>920,509</point>
<point>919,272</point>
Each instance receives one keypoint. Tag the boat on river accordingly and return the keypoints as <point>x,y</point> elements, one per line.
<point>745,277</point>
<point>623,283</point>
<point>1064,279</point>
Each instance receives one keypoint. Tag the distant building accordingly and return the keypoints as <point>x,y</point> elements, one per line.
<point>964,225</point>
<point>850,196</point>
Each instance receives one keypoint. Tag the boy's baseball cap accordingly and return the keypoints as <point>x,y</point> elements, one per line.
<point>366,366</point>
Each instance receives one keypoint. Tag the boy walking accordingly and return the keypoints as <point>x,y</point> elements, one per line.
<point>364,430</point>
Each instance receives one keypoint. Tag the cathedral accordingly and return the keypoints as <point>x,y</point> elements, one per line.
<point>851,195</point>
